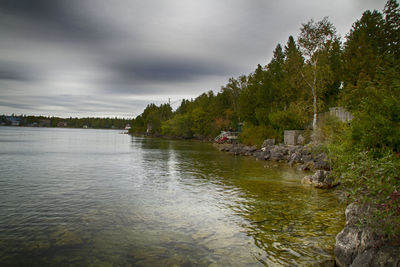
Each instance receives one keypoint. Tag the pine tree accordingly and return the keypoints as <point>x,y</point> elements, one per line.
<point>392,29</point>
<point>293,83</point>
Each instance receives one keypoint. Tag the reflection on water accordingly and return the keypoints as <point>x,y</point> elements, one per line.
<point>100,198</point>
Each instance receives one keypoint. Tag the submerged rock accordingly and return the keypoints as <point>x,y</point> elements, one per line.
<point>223,147</point>
<point>361,246</point>
<point>320,179</point>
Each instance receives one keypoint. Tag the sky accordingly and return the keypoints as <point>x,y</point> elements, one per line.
<point>101,58</point>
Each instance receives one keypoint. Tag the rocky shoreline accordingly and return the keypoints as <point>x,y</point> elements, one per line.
<point>355,245</point>
<point>298,156</point>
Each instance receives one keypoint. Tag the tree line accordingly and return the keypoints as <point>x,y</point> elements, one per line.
<point>51,121</point>
<point>305,77</point>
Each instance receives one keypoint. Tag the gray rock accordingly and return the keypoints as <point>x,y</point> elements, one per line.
<point>237,149</point>
<point>293,149</point>
<point>268,142</point>
<point>303,167</point>
<point>305,151</point>
<point>252,149</point>
<point>322,162</point>
<point>307,179</point>
<point>347,242</point>
<point>301,140</point>
<point>320,179</point>
<point>322,165</point>
<point>361,246</point>
<point>278,152</point>
<point>259,155</point>
<point>294,157</point>
<point>277,155</point>
<point>306,158</point>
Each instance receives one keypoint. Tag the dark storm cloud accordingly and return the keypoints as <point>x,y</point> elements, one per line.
<point>51,19</point>
<point>167,70</point>
<point>39,9</point>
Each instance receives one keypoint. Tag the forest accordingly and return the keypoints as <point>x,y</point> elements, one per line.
<point>51,121</point>
<point>305,77</point>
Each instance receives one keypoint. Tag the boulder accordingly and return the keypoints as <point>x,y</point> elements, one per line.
<point>236,149</point>
<point>293,149</point>
<point>278,153</point>
<point>306,158</point>
<point>224,147</point>
<point>360,246</point>
<point>259,154</point>
<point>305,150</point>
<point>321,162</point>
<point>294,157</point>
<point>320,179</point>
<point>268,142</point>
<point>307,179</point>
<point>303,167</point>
<point>252,149</point>
<point>301,140</point>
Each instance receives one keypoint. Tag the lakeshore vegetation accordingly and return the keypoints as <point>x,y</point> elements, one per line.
<point>305,77</point>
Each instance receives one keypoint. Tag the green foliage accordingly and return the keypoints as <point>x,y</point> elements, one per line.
<point>331,128</point>
<point>255,135</point>
<point>374,181</point>
<point>151,119</point>
<point>316,40</point>
<point>377,122</point>
<point>179,126</point>
<point>365,154</point>
<point>295,117</point>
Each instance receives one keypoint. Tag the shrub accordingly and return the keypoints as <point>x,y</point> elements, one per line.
<point>255,135</point>
<point>373,178</point>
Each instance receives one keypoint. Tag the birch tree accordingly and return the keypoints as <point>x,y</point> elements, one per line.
<point>315,38</point>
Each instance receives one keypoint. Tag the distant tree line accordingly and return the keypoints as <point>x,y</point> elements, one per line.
<point>47,121</point>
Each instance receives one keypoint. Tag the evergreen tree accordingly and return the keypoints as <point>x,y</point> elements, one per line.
<point>392,30</point>
<point>293,84</point>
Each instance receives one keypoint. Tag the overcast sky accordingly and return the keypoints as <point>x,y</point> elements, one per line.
<point>111,58</point>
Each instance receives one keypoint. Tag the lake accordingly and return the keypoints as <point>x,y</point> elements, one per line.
<point>85,197</point>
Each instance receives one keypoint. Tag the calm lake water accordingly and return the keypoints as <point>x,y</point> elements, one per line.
<point>84,197</point>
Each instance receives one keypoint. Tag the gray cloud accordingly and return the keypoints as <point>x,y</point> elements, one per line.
<point>10,72</point>
<point>17,105</point>
<point>167,70</point>
<point>114,57</point>
<point>53,20</point>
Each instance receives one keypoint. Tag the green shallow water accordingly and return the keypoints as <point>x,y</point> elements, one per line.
<point>77,197</point>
